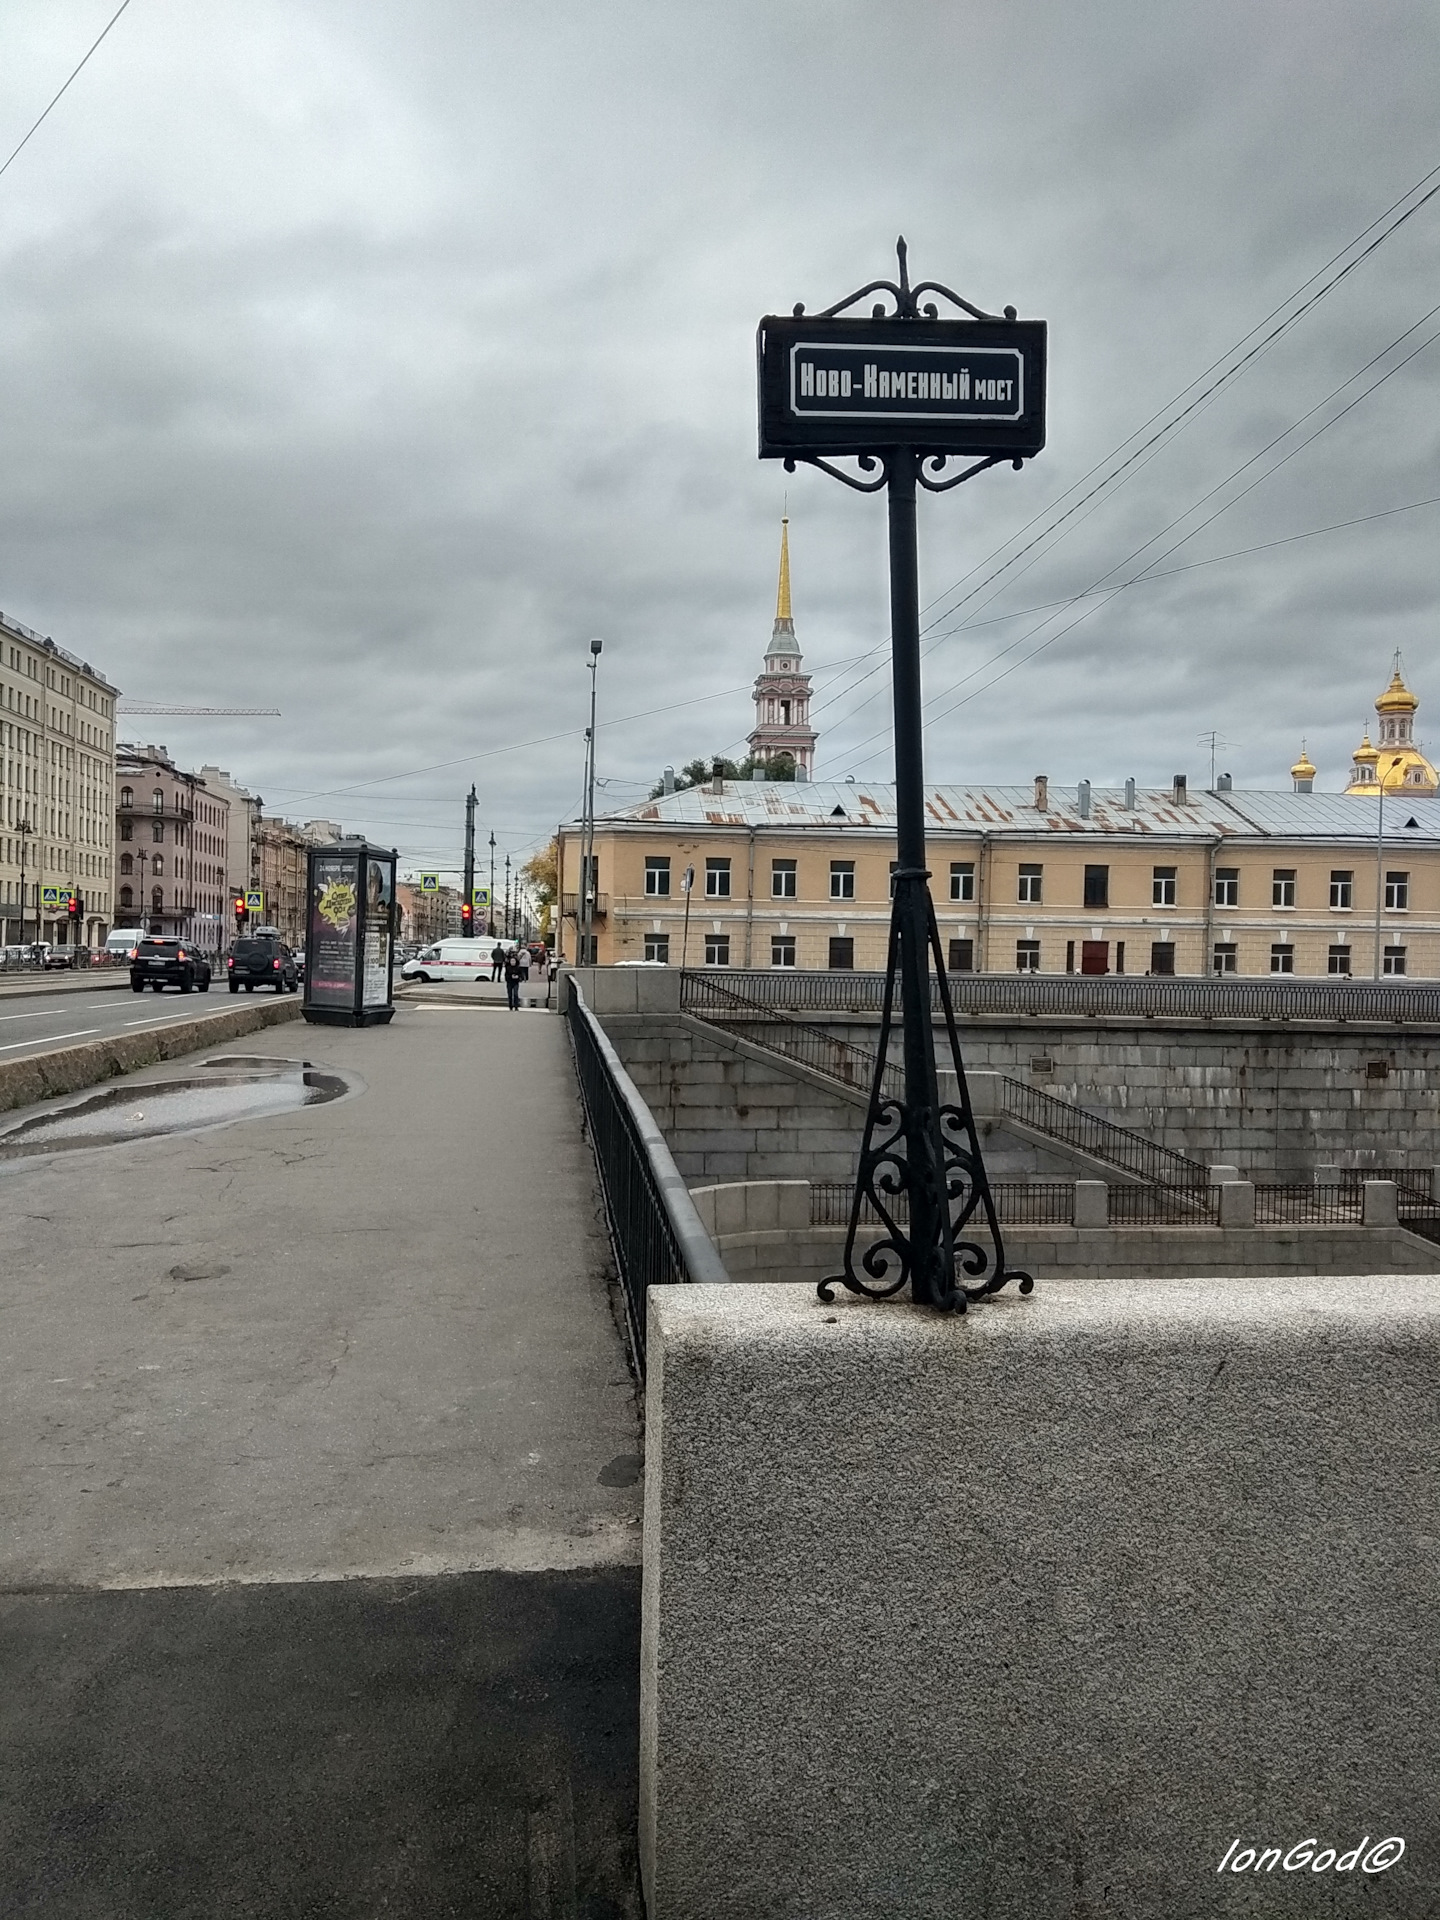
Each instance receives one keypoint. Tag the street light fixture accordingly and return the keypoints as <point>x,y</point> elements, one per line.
<point>587,857</point>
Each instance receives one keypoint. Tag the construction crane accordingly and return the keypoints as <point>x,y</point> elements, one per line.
<point>128,706</point>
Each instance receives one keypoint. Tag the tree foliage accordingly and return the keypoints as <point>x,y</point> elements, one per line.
<point>695,773</point>
<point>542,870</point>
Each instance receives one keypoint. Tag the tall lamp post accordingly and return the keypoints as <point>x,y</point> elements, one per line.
<point>1398,760</point>
<point>490,903</point>
<point>24,829</point>
<point>508,934</point>
<point>907,392</point>
<point>586,957</point>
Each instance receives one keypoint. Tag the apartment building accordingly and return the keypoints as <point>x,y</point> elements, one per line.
<point>57,771</point>
<point>1040,879</point>
<point>174,834</point>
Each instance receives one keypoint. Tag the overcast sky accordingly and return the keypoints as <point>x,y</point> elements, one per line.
<point>366,359</point>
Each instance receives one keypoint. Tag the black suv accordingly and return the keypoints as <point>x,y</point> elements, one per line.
<point>262,960</point>
<point>162,962</point>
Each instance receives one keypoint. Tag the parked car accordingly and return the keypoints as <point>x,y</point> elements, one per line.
<point>165,961</point>
<point>121,942</point>
<point>452,960</point>
<point>262,959</point>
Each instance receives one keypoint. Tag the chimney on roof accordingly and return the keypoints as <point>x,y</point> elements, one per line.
<point>667,780</point>
<point>717,782</point>
<point>1042,793</point>
<point>1130,794</point>
<point>1223,784</point>
<point>1179,794</point>
<point>1082,799</point>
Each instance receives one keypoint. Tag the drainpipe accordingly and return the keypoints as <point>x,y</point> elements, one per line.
<point>1207,958</point>
<point>982,931</point>
<point>750,899</point>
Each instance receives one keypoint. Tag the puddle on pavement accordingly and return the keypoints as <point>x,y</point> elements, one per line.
<point>234,1087</point>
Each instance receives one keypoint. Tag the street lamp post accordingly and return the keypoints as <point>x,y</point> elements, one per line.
<point>508,934</point>
<point>24,829</point>
<point>490,903</point>
<point>1397,761</point>
<point>586,955</point>
<point>685,885</point>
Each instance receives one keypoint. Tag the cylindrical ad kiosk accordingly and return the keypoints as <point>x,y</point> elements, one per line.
<point>350,935</point>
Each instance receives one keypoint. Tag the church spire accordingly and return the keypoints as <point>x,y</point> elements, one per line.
<point>782,598</point>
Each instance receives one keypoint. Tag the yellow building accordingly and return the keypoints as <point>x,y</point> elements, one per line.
<point>1039,879</point>
<point>1394,761</point>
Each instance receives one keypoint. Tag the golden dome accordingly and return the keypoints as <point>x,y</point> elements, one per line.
<point>1397,697</point>
<point>1365,754</point>
<point>1302,769</point>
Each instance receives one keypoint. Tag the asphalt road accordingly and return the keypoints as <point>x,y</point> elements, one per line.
<point>37,1022</point>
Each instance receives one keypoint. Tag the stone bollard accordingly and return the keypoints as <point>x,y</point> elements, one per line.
<point>1092,1203</point>
<point>1237,1203</point>
<point>1380,1204</point>
<point>1219,1175</point>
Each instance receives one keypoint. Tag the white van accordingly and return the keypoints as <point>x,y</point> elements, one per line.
<point>123,941</point>
<point>452,960</point>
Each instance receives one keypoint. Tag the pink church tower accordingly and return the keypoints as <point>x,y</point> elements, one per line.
<point>782,689</point>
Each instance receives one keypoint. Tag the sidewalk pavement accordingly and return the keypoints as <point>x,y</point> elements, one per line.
<point>319,1567</point>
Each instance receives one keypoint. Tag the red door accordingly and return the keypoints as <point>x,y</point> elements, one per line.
<point>1095,956</point>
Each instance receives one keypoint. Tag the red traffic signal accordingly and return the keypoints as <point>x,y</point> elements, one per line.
<point>467,918</point>
<point>239,913</point>
<point>75,908</point>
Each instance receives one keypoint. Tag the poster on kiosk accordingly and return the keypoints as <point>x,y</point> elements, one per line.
<point>350,935</point>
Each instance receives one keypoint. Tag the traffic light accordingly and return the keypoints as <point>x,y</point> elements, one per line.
<point>75,909</point>
<point>467,919</point>
<point>239,913</point>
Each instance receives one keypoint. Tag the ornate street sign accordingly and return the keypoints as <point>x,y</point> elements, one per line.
<point>837,386</point>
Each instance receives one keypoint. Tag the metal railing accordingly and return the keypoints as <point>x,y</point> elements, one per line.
<point>1414,1183</point>
<point>1419,1216</point>
<point>809,1046</point>
<point>1164,1206</point>
<point>1101,1139</point>
<point>1296,1205</point>
<point>1028,1203</point>
<point>1084,996</point>
<point>655,1231</point>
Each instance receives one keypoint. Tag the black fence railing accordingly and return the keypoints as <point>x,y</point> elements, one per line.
<point>1085,996</point>
<point>1018,1203</point>
<point>1101,1139</point>
<point>1413,1183</point>
<point>1164,1206</point>
<point>655,1231</point>
<point>1295,1205</point>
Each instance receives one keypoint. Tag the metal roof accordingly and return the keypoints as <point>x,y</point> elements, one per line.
<point>1011,810</point>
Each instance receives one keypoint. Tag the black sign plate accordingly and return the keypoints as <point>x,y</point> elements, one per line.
<point>856,386</point>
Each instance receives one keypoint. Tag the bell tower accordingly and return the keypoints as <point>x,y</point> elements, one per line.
<point>782,688</point>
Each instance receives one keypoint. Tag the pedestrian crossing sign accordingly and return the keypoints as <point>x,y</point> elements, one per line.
<point>254,900</point>
<point>50,896</point>
<point>429,883</point>
<point>480,897</point>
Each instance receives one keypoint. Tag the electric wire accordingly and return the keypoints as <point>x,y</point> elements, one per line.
<point>65,89</point>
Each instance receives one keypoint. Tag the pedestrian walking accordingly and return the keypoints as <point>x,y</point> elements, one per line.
<point>522,953</point>
<point>512,981</point>
<point>497,961</point>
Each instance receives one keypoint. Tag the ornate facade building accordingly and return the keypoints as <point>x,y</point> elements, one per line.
<point>782,689</point>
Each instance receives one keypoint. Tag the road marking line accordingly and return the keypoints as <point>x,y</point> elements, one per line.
<point>45,1013</point>
<point>46,1039</point>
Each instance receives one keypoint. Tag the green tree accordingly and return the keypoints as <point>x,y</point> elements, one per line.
<point>542,870</point>
<point>695,773</point>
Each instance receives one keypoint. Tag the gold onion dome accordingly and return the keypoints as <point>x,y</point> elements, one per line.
<point>1397,697</point>
<point>1302,769</point>
<point>1365,752</point>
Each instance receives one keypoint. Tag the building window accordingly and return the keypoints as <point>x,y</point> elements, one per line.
<point>782,949</point>
<point>157,865</point>
<point>842,954</point>
<point>1031,881</point>
<point>1397,893</point>
<point>1282,957</point>
<point>127,796</point>
<point>842,879</point>
<point>1097,886</point>
<point>657,875</point>
<point>1225,957</point>
<point>782,879</point>
<point>657,947</point>
<point>1162,887</point>
<point>127,897</point>
<point>157,831</point>
<point>1094,956</point>
<point>1119,956</point>
<point>894,869</point>
<point>1162,958</point>
<point>127,864</point>
<point>589,874</point>
<point>1394,960</point>
<point>589,949</point>
<point>1282,894</point>
<point>1027,956</point>
<point>157,800</point>
<point>157,899</point>
<point>1227,891</point>
<point>1069,956</point>
<point>1342,895</point>
<point>962,879</point>
<point>1339,960</point>
<point>126,830</point>
<point>962,956</point>
<point>717,879</point>
<point>717,949</point>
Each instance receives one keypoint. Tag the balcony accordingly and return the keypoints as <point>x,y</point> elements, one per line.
<point>599,906</point>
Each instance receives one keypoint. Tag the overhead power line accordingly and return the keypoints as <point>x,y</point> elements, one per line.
<point>66,88</point>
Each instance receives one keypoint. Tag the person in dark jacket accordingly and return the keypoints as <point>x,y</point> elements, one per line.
<point>513,977</point>
<point>497,961</point>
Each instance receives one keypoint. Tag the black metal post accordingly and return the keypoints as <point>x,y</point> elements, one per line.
<point>490,903</point>
<point>467,921</point>
<point>932,1276</point>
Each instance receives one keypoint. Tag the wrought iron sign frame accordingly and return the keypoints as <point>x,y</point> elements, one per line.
<point>921,1167</point>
